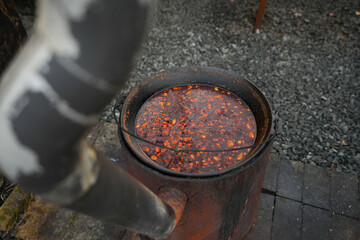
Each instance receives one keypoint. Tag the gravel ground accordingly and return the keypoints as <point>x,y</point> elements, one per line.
<point>305,58</point>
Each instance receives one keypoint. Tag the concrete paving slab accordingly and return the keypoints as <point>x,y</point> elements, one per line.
<point>344,194</point>
<point>261,229</point>
<point>316,190</point>
<point>44,221</point>
<point>344,228</point>
<point>108,142</point>
<point>93,133</point>
<point>272,172</point>
<point>290,180</point>
<point>316,223</point>
<point>88,228</point>
<point>287,219</point>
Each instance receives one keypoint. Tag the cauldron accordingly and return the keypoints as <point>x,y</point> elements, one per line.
<point>221,204</point>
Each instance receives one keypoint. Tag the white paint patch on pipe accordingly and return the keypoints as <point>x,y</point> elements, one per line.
<point>87,77</point>
<point>15,158</point>
<point>54,23</point>
<point>41,85</point>
<point>77,9</point>
<point>52,36</point>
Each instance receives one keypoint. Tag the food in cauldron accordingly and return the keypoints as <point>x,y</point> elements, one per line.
<point>186,121</point>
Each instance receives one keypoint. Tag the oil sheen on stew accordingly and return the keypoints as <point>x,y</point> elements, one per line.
<point>195,117</point>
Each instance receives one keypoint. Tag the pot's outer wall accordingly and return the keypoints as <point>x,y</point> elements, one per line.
<point>218,208</point>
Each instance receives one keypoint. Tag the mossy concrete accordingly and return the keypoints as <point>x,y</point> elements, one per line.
<point>12,208</point>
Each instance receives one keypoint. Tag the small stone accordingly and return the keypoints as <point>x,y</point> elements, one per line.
<point>344,127</point>
<point>224,50</point>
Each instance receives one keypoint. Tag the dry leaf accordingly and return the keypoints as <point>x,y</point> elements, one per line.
<point>298,14</point>
<point>343,142</point>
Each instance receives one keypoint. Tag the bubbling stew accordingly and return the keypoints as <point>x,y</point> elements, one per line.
<point>195,117</point>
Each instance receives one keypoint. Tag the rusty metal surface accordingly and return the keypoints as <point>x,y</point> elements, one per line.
<point>174,198</point>
<point>217,208</point>
<point>259,15</point>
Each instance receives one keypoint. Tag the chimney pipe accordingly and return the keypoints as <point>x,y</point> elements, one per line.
<point>77,59</point>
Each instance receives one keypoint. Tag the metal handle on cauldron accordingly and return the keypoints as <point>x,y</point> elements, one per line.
<point>275,131</point>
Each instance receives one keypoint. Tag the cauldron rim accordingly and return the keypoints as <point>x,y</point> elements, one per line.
<point>161,81</point>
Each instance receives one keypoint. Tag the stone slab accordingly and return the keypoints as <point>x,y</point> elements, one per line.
<point>287,219</point>
<point>316,223</point>
<point>46,221</point>
<point>88,228</point>
<point>93,132</point>
<point>344,194</point>
<point>290,180</point>
<point>344,228</point>
<point>108,142</point>
<point>272,172</point>
<point>261,229</point>
<point>12,207</point>
<point>316,190</point>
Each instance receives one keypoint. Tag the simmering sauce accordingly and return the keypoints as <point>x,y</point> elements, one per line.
<point>195,117</point>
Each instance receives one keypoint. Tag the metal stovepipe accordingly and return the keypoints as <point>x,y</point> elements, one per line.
<point>78,57</point>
